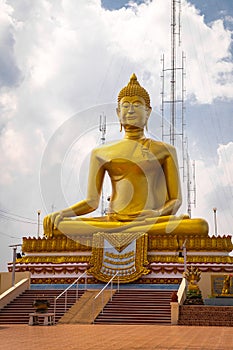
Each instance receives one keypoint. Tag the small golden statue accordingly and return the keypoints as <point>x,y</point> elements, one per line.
<point>144,175</point>
<point>226,285</point>
<point>193,276</point>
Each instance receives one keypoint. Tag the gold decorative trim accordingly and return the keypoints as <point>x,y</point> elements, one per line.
<point>53,259</point>
<point>156,242</point>
<point>206,259</point>
<point>119,256</point>
<point>171,242</point>
<point>126,262</point>
<point>122,268</point>
<point>151,280</point>
<point>58,244</point>
<point>165,259</point>
<point>139,269</point>
<point>59,280</point>
<point>165,242</point>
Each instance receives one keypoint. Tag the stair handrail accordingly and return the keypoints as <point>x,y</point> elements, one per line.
<point>182,291</point>
<point>101,292</point>
<point>10,294</point>
<point>66,290</point>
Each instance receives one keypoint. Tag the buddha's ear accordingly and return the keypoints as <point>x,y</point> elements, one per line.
<point>119,117</point>
<point>118,112</point>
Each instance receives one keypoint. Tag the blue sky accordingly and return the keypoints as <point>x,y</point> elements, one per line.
<point>212,9</point>
<point>67,58</point>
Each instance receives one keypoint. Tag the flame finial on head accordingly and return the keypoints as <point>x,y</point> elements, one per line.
<point>134,89</point>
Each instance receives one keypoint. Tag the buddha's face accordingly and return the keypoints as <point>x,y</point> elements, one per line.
<point>132,111</point>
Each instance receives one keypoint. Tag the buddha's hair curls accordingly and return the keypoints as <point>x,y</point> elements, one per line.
<point>134,89</point>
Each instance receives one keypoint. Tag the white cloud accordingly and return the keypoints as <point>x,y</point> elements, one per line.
<point>225,153</point>
<point>90,49</point>
<point>208,53</point>
<point>19,152</point>
<point>215,189</point>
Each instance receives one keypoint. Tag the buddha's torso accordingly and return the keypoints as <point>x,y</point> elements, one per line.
<point>135,169</point>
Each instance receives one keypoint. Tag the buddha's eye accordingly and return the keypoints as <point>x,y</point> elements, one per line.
<point>134,105</point>
<point>126,105</point>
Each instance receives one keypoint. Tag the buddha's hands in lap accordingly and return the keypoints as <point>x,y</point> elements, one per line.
<point>51,222</point>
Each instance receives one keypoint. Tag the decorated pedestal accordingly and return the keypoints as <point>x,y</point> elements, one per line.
<point>138,258</point>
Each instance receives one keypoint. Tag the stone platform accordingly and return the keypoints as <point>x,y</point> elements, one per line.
<point>61,260</point>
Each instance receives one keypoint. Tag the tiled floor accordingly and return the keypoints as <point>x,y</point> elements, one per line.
<point>99,337</point>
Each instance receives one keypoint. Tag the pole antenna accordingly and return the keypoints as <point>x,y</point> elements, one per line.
<point>191,183</point>
<point>102,129</point>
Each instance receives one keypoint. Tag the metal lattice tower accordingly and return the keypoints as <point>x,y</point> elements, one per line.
<point>175,100</point>
<point>173,97</point>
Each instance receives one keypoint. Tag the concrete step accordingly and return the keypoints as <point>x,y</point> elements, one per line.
<point>136,313</point>
<point>17,311</point>
<point>137,307</point>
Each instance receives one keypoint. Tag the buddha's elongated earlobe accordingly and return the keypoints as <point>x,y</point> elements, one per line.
<point>148,116</point>
<point>120,127</point>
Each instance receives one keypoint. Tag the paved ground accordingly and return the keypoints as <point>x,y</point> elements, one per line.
<point>91,337</point>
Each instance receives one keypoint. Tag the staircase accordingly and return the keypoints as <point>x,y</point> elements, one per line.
<point>137,306</point>
<point>17,312</point>
<point>87,308</point>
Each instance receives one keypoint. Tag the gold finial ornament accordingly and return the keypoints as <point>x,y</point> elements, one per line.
<point>134,89</point>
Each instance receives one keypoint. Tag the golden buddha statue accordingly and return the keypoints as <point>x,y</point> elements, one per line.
<point>144,175</point>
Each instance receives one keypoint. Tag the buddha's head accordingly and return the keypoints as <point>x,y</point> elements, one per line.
<point>133,105</point>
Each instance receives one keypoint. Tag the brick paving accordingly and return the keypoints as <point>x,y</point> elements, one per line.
<point>115,337</point>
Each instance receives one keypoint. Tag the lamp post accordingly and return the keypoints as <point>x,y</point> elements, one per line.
<point>215,221</point>
<point>38,223</point>
<point>14,246</point>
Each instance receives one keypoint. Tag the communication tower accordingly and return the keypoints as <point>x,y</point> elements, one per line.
<point>173,99</point>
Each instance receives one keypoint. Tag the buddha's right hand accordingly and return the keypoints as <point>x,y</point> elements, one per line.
<point>51,222</point>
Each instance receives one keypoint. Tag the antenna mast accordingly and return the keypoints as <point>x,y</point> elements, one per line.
<point>175,103</point>
<point>102,129</point>
<point>173,74</point>
<point>172,104</point>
